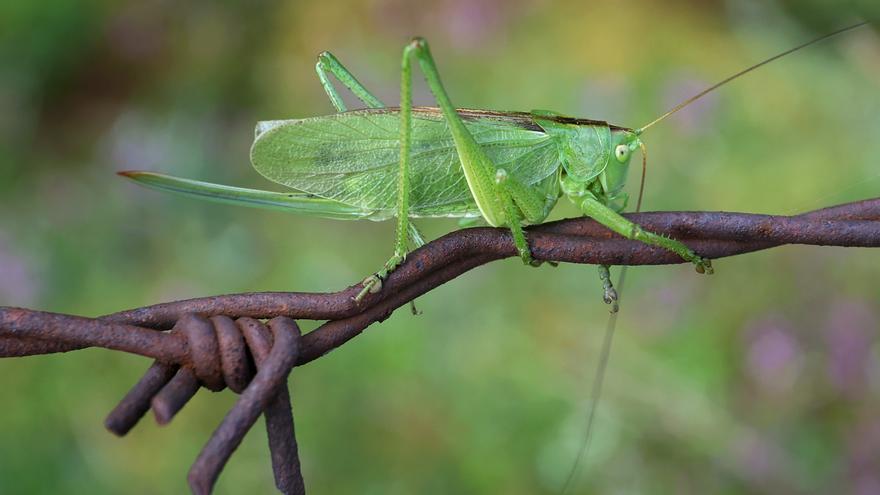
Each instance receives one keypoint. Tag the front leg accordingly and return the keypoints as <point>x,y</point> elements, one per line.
<point>614,221</point>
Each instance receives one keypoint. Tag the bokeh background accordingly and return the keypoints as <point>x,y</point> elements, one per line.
<point>764,378</point>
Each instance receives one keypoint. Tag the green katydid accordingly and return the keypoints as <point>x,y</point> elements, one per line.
<point>509,168</point>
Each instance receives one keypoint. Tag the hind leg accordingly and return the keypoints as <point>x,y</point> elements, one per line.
<point>502,200</point>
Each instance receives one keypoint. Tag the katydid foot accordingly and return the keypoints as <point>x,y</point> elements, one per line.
<point>610,293</point>
<point>703,265</point>
<point>373,283</point>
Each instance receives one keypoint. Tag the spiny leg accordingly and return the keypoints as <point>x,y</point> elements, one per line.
<point>494,197</point>
<point>614,221</point>
<point>519,236</point>
<point>511,192</point>
<point>328,63</point>
<point>530,203</point>
<point>373,283</point>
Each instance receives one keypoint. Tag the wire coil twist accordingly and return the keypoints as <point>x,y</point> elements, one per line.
<point>249,357</point>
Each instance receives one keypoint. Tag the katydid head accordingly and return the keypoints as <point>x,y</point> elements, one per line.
<point>623,143</point>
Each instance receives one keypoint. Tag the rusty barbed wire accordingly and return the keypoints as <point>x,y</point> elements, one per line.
<point>220,342</point>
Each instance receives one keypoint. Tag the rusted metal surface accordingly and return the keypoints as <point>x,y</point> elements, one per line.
<point>136,402</point>
<point>275,356</point>
<point>216,342</point>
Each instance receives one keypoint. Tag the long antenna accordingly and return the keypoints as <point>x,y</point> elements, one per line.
<point>607,339</point>
<point>599,378</point>
<point>744,72</point>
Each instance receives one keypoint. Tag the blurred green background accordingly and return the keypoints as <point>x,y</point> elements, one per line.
<point>764,378</point>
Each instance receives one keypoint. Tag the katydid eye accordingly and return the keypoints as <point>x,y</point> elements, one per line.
<point>621,152</point>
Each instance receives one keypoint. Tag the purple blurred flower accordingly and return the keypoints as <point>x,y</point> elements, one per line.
<point>18,283</point>
<point>470,22</point>
<point>757,457</point>
<point>774,355</point>
<point>849,335</point>
<point>134,142</point>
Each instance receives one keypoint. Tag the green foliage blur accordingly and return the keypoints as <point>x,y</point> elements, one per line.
<point>764,378</point>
